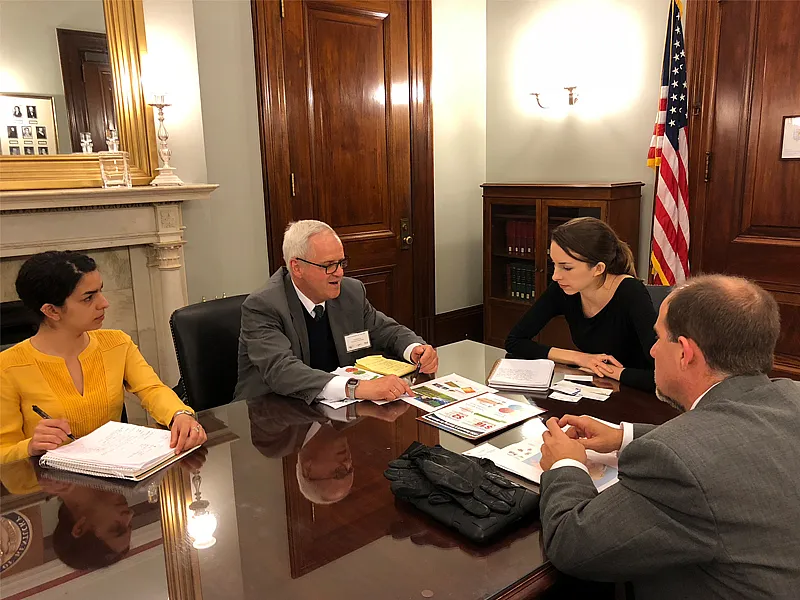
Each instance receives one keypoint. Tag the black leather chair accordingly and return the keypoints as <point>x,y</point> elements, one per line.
<point>206,337</point>
<point>658,293</point>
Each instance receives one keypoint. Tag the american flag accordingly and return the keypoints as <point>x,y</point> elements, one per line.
<point>669,154</point>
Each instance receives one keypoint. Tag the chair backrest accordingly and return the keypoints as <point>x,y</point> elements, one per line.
<point>658,293</point>
<point>206,337</point>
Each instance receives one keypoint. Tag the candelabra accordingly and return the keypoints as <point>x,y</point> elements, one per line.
<point>166,173</point>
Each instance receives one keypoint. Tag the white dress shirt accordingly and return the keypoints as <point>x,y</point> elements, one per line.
<point>335,389</point>
<point>627,438</point>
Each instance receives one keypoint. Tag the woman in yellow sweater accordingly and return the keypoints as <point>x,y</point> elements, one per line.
<point>71,369</point>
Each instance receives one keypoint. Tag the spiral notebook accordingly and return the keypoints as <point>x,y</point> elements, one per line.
<point>118,450</point>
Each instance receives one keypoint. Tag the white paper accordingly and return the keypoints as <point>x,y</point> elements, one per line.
<point>483,451</point>
<point>594,396</point>
<point>586,378</point>
<point>523,459</point>
<point>566,388</point>
<point>442,391</point>
<point>565,397</point>
<point>517,373</point>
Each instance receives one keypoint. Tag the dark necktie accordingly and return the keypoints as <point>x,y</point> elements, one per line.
<point>319,310</point>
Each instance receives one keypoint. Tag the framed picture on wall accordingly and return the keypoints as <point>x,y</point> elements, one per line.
<point>27,117</point>
<point>790,140</point>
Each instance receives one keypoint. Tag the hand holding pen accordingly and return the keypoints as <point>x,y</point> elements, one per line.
<point>49,433</point>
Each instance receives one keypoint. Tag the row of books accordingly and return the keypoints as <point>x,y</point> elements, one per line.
<point>520,237</point>
<point>520,280</point>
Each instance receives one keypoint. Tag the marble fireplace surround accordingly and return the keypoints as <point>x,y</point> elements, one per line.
<point>135,235</point>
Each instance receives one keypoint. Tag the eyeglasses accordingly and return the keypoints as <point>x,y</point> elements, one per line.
<point>330,268</point>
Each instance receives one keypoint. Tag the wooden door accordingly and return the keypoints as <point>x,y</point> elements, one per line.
<point>746,217</point>
<point>88,85</point>
<point>336,123</point>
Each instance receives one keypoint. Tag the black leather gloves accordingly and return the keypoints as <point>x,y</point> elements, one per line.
<point>464,492</point>
<point>443,476</point>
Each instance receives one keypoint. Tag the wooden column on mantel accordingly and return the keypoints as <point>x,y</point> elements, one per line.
<point>518,219</point>
<point>147,220</point>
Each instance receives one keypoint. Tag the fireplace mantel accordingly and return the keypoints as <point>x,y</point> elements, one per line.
<point>146,222</point>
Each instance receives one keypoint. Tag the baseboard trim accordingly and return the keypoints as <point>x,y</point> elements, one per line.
<point>461,324</point>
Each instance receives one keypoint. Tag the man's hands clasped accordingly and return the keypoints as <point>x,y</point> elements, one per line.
<point>584,433</point>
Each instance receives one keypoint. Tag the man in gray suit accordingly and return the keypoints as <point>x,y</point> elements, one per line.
<point>708,504</point>
<point>310,319</point>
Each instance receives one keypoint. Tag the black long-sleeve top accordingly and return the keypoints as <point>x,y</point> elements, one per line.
<point>623,329</point>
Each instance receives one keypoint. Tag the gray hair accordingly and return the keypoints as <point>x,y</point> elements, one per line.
<point>734,322</point>
<point>297,236</point>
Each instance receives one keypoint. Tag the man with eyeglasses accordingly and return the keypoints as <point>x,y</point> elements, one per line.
<point>310,319</point>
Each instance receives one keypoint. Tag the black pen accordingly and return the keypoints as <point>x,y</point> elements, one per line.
<point>44,415</point>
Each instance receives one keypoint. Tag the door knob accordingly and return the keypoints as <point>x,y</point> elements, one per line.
<point>408,240</point>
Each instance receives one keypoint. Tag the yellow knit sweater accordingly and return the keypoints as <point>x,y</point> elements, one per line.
<point>110,362</point>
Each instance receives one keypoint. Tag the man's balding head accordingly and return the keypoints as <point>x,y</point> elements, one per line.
<point>734,322</point>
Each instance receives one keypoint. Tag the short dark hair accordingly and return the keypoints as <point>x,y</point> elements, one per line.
<point>50,278</point>
<point>592,241</point>
<point>733,321</point>
<point>84,552</point>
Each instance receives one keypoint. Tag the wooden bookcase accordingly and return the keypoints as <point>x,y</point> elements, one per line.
<point>541,207</point>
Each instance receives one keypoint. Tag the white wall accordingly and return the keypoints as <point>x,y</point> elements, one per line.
<point>612,51</point>
<point>29,58</point>
<point>459,149</point>
<point>201,55</point>
<point>224,35</point>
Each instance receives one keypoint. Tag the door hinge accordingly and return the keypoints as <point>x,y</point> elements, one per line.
<point>707,176</point>
<point>283,9</point>
<point>294,192</point>
<point>696,108</point>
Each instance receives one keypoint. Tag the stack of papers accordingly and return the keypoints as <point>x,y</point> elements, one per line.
<point>523,459</point>
<point>571,391</point>
<point>481,416</point>
<point>522,375</point>
<point>436,393</point>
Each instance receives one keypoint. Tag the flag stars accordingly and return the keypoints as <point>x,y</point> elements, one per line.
<point>675,84</point>
<point>683,97</point>
<point>672,123</point>
<point>675,96</point>
<point>673,110</point>
<point>677,43</point>
<point>683,53</point>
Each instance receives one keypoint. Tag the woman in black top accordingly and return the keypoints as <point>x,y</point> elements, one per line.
<point>609,312</point>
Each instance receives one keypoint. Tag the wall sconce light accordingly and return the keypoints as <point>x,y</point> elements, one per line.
<point>572,98</point>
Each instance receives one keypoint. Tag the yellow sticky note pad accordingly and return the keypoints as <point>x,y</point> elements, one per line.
<point>385,366</point>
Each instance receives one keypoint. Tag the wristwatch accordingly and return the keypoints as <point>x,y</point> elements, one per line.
<point>182,412</point>
<point>350,387</point>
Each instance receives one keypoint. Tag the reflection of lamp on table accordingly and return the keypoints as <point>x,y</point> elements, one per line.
<point>202,523</point>
<point>166,173</point>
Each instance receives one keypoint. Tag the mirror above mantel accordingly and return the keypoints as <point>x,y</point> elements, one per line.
<point>82,75</point>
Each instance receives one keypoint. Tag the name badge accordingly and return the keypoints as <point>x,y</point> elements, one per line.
<point>357,341</point>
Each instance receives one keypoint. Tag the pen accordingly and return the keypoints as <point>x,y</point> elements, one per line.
<point>44,415</point>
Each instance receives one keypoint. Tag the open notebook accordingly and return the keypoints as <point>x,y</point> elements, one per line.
<point>119,450</point>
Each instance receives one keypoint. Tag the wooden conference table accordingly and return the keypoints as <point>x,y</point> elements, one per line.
<point>269,540</point>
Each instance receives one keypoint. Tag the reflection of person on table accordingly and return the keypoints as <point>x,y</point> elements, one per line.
<point>609,312</point>
<point>707,504</point>
<point>71,369</point>
<point>296,330</point>
<point>281,426</point>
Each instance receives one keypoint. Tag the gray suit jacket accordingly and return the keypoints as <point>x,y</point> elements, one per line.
<point>274,355</point>
<point>707,505</point>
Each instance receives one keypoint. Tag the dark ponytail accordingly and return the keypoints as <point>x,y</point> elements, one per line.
<point>592,241</point>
